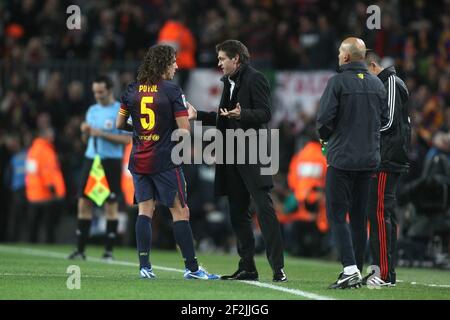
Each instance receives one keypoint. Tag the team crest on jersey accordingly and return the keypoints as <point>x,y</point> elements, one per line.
<point>108,124</point>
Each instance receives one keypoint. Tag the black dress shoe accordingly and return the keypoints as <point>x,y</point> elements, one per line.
<point>279,276</point>
<point>242,275</point>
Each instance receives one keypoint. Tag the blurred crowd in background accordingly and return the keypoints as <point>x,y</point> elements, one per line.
<point>45,82</point>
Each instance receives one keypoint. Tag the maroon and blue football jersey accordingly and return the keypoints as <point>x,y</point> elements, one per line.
<point>153,110</point>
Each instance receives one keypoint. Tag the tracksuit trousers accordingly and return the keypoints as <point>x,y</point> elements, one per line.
<point>383,223</point>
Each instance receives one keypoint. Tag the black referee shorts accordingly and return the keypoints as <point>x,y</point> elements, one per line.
<point>113,172</point>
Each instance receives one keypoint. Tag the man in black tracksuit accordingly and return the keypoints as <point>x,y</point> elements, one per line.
<point>395,140</point>
<point>352,110</point>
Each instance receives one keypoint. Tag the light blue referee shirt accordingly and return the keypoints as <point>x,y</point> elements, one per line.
<point>104,118</point>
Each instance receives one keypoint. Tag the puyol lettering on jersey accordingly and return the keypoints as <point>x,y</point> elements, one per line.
<point>153,110</point>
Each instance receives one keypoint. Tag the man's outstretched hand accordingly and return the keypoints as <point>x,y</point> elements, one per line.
<point>232,114</point>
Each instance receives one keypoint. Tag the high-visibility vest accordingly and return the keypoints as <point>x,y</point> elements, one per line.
<point>307,171</point>
<point>42,171</point>
<point>127,179</point>
<point>173,32</point>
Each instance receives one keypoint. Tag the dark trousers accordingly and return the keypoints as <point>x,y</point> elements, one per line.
<point>240,189</point>
<point>42,213</point>
<point>348,192</point>
<point>383,223</point>
<point>17,215</point>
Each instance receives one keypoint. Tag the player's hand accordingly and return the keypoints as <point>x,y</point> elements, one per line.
<point>192,112</point>
<point>232,114</point>
<point>96,132</point>
<point>85,128</point>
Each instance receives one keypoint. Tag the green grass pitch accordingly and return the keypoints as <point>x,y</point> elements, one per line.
<point>40,272</point>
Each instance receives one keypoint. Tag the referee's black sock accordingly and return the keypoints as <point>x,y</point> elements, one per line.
<point>143,239</point>
<point>183,237</point>
<point>84,225</point>
<point>111,234</point>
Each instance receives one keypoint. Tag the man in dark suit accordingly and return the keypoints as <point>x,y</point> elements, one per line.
<point>245,104</point>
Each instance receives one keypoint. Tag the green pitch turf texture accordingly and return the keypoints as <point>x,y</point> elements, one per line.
<point>39,272</point>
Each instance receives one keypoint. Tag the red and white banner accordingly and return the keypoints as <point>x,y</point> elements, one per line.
<point>204,89</point>
<point>293,91</point>
<point>299,91</point>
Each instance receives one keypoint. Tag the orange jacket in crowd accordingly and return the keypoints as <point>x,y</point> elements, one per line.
<point>178,35</point>
<point>127,179</point>
<point>43,172</point>
<point>307,171</point>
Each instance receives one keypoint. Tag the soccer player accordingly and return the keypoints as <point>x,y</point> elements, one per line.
<point>157,107</point>
<point>105,140</point>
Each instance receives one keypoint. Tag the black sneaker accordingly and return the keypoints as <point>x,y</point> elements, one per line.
<point>279,276</point>
<point>242,275</point>
<point>108,257</point>
<point>76,255</point>
<point>347,281</point>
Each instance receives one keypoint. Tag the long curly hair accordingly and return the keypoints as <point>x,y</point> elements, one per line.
<point>156,62</point>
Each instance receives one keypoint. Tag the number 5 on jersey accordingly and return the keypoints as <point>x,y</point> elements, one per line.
<point>147,122</point>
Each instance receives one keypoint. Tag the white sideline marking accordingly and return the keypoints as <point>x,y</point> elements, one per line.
<point>51,254</point>
<point>43,275</point>
<point>288,290</point>
<point>428,285</point>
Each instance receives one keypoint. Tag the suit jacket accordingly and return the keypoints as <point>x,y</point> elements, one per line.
<point>252,91</point>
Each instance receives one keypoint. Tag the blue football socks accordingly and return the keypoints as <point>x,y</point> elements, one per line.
<point>183,237</point>
<point>144,239</point>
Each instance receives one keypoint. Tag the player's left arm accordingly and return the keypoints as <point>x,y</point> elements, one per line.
<point>180,109</point>
<point>183,123</point>
<point>122,124</point>
<point>124,113</point>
